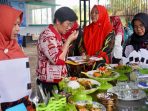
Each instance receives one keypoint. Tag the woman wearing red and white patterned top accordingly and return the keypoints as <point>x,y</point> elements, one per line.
<point>52,50</point>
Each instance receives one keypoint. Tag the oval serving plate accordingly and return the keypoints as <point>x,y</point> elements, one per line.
<point>100,106</point>
<point>90,75</point>
<point>141,94</point>
<point>93,83</point>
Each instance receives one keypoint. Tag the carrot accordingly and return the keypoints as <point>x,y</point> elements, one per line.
<point>97,74</point>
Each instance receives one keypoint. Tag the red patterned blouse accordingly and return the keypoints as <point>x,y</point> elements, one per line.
<point>50,68</point>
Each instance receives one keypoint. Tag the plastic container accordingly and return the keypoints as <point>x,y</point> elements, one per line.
<point>53,105</point>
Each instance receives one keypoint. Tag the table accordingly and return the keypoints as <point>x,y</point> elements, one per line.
<point>122,105</point>
<point>74,69</point>
<point>138,105</point>
<point>76,65</point>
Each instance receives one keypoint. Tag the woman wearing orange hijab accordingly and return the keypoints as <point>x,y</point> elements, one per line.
<point>99,36</point>
<point>10,20</point>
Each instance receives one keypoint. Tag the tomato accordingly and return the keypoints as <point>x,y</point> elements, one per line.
<point>73,78</point>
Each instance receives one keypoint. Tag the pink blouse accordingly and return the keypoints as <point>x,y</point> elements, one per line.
<point>50,68</point>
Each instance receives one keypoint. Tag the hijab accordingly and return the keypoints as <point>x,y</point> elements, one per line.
<point>136,40</point>
<point>96,33</point>
<point>117,25</point>
<point>9,48</point>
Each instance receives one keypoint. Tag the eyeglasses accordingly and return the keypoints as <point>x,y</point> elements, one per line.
<point>70,24</point>
<point>141,26</point>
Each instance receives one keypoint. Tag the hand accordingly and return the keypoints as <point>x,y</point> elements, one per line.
<point>73,36</point>
<point>91,62</point>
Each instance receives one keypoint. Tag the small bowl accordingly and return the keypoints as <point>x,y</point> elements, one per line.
<point>109,100</point>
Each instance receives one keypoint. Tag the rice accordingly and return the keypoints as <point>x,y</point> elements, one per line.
<point>73,84</point>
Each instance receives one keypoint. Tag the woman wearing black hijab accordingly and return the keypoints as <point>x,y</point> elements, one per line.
<point>139,39</point>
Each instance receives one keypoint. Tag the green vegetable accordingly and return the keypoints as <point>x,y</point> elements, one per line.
<point>70,107</point>
<point>143,70</point>
<point>123,69</point>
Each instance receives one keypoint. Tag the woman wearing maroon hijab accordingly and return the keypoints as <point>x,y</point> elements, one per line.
<point>10,20</point>
<point>119,36</point>
<point>98,36</point>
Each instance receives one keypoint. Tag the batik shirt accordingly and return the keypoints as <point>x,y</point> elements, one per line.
<point>50,68</point>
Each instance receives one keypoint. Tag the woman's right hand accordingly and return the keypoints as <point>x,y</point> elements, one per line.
<point>73,36</point>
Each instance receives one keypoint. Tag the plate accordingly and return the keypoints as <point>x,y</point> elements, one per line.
<point>90,75</point>
<point>80,84</point>
<point>143,86</point>
<point>94,83</point>
<point>94,105</point>
<point>128,94</point>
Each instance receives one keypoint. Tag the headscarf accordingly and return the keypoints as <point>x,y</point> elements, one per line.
<point>9,49</point>
<point>96,33</point>
<point>117,25</point>
<point>136,40</point>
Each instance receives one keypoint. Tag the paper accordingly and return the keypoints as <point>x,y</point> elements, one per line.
<point>95,58</point>
<point>14,79</point>
<point>76,58</point>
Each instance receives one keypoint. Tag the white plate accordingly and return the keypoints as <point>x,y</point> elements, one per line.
<point>122,95</point>
<point>90,74</point>
<point>95,104</point>
<point>92,82</point>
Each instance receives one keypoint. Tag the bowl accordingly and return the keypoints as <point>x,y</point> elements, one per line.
<point>109,100</point>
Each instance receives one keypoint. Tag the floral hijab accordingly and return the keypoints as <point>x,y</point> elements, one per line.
<point>9,49</point>
<point>117,24</point>
<point>96,33</point>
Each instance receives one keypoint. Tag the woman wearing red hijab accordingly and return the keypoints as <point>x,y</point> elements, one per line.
<point>10,20</point>
<point>98,36</point>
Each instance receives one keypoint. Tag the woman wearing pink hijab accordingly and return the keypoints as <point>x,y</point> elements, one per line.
<point>119,36</point>
<point>10,20</point>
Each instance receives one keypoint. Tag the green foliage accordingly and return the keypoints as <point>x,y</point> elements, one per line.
<point>126,7</point>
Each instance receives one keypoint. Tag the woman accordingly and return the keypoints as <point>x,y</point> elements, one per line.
<point>128,31</point>
<point>74,45</point>
<point>136,50</point>
<point>139,39</point>
<point>98,36</point>
<point>52,51</point>
<point>10,20</point>
<point>119,36</point>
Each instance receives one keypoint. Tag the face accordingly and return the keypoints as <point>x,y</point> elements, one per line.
<point>65,26</point>
<point>139,28</point>
<point>16,28</point>
<point>94,14</point>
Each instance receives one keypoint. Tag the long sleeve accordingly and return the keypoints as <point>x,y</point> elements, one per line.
<point>108,44</point>
<point>51,49</point>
